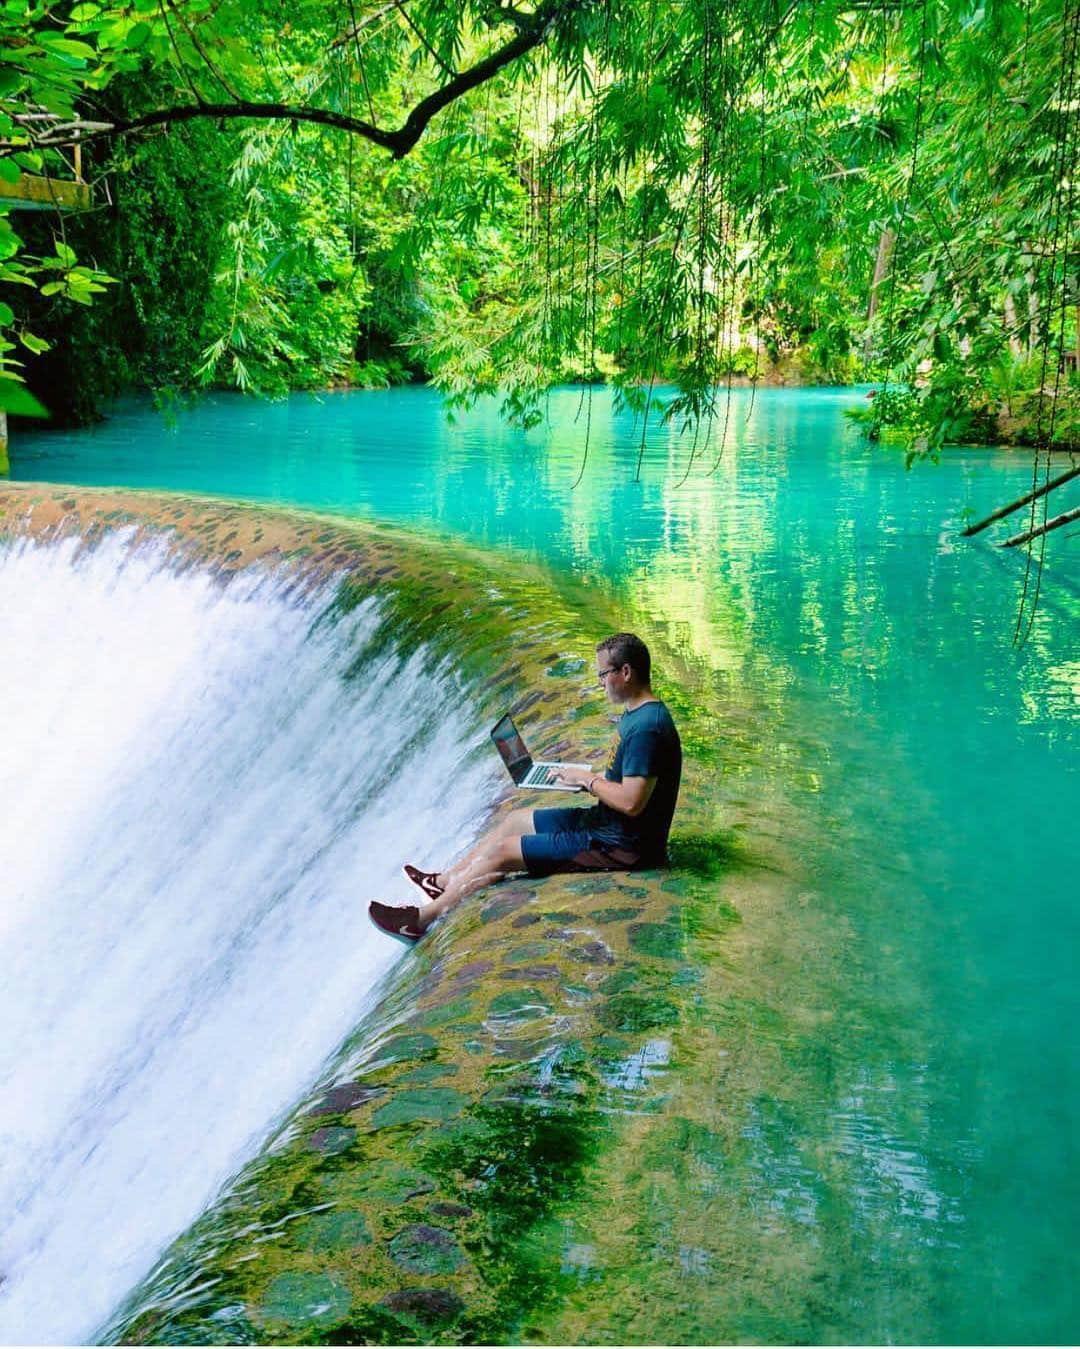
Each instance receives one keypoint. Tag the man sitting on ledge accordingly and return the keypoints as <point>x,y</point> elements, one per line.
<point>628,827</point>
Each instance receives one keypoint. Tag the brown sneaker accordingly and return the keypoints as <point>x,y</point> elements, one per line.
<point>426,880</point>
<point>403,922</point>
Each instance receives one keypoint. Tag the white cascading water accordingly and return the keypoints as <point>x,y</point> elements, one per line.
<point>195,808</point>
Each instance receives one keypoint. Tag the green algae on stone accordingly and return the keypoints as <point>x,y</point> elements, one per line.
<point>429,1072</point>
<point>299,1299</point>
<point>534,950</point>
<point>518,1005</point>
<point>628,977</point>
<point>402,1048</point>
<point>424,1249</point>
<point>443,1209</point>
<point>342,1230</point>
<point>519,1161</point>
<point>614,915</point>
<point>385,1181</point>
<point>664,940</point>
<point>590,885</point>
<point>632,1011</point>
<point>434,1103</point>
<point>457,1010</point>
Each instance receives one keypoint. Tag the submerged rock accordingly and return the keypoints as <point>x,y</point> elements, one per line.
<point>331,1139</point>
<point>300,1299</point>
<point>341,1099</point>
<point>423,1249</point>
<point>423,1308</point>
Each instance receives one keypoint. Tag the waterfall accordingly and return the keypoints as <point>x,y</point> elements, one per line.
<point>201,786</point>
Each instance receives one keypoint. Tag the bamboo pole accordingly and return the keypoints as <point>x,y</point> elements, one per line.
<point>1063,519</point>
<point>1023,501</point>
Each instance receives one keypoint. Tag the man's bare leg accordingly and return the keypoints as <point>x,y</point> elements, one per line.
<point>501,858</point>
<point>518,822</point>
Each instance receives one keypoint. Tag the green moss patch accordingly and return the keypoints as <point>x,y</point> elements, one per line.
<point>404,1107</point>
<point>339,1231</point>
<point>301,1299</point>
<point>663,940</point>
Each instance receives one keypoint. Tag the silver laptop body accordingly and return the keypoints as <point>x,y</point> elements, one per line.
<point>528,773</point>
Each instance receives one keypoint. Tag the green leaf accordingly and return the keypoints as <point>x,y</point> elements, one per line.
<point>114,34</point>
<point>37,345</point>
<point>6,314</point>
<point>17,399</point>
<point>10,80</point>
<point>138,35</point>
<point>68,46</point>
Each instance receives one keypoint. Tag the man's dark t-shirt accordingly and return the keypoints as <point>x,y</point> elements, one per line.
<point>648,747</point>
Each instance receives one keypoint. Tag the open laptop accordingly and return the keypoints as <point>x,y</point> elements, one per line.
<point>521,766</point>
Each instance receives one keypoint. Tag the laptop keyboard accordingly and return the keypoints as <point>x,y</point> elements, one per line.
<point>539,777</point>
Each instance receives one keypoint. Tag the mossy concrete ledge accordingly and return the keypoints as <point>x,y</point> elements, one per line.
<point>485,1132</point>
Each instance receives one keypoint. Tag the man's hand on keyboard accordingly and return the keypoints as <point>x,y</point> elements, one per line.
<point>575,777</point>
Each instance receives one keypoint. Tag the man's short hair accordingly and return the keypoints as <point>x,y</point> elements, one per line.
<point>624,648</point>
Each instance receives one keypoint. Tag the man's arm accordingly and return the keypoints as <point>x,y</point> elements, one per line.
<point>629,797</point>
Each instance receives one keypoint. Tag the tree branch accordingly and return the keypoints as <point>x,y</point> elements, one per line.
<point>190,112</point>
<point>529,35</point>
<point>1025,500</point>
<point>1065,518</point>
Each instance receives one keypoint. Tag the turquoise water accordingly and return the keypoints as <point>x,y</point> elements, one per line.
<point>929,1138</point>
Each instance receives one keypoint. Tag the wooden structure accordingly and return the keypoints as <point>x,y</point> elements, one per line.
<point>38,192</point>
<point>34,192</point>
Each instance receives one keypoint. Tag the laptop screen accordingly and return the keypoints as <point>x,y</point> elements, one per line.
<point>510,745</point>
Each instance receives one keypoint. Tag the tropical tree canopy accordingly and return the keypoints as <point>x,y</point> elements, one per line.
<point>501,197</point>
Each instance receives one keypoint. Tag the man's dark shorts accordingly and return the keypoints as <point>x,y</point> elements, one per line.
<point>563,842</point>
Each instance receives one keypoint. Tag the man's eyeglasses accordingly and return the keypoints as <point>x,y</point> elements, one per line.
<point>601,675</point>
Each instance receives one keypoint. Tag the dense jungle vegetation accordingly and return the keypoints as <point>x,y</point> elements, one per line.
<point>296,195</point>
